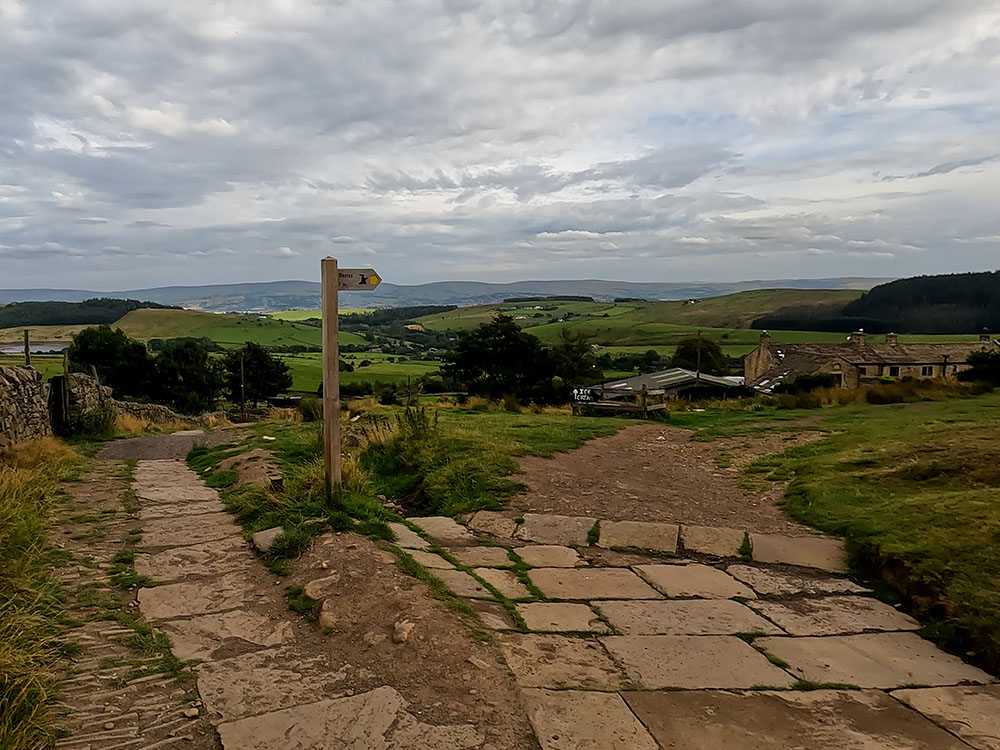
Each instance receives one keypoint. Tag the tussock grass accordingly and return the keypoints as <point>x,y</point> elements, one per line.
<point>30,601</point>
<point>127,425</point>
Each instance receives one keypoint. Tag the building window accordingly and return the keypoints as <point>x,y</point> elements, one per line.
<point>862,371</point>
<point>927,370</point>
<point>894,372</point>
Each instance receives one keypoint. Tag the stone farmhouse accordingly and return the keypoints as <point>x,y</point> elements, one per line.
<point>855,362</point>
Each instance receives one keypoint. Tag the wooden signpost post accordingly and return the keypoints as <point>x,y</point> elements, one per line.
<point>333,280</point>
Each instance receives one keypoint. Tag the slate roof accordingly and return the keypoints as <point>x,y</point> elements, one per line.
<point>673,378</point>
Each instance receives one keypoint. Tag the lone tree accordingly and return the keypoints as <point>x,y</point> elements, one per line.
<point>187,378</point>
<point>710,361</point>
<point>263,374</point>
<point>122,363</point>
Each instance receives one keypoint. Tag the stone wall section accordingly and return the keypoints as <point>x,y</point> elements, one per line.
<point>87,394</point>
<point>24,408</point>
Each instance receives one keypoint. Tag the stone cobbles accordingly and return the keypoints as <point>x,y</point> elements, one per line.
<point>558,617</point>
<point>463,584</point>
<point>807,552</point>
<point>550,556</point>
<point>685,617</point>
<point>702,581</point>
<point>571,531</point>
<point>487,557</point>
<point>655,662</point>
<point>572,720</point>
<point>504,581</point>
<point>972,713</point>
<point>660,537</point>
<point>407,538</point>
<point>493,523</point>
<point>591,583</point>
<point>430,560</point>
<point>792,720</point>
<point>875,660</point>
<point>445,530</point>
<point>834,615</point>
<point>556,661</point>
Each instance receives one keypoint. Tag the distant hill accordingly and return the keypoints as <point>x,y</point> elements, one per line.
<point>943,304</point>
<point>88,312</point>
<point>290,295</point>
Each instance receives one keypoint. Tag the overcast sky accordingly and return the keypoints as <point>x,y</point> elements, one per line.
<point>154,142</point>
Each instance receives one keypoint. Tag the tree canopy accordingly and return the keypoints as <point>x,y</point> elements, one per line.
<point>264,375</point>
<point>121,363</point>
<point>712,360</point>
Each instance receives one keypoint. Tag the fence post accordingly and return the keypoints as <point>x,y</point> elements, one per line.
<point>27,348</point>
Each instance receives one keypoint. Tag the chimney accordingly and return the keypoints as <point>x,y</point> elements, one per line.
<point>891,339</point>
<point>985,337</point>
<point>858,337</point>
<point>765,338</point>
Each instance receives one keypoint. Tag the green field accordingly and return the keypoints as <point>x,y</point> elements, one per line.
<point>47,364</point>
<point>297,315</point>
<point>307,369</point>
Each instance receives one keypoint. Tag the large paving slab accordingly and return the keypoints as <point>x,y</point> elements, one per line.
<point>701,581</point>
<point>685,617</point>
<point>209,559</point>
<point>493,614</point>
<point>770,582</point>
<point>445,530</point>
<point>792,720</point>
<point>493,523</point>
<point>555,661</point>
<point>556,617</point>
<point>712,540</point>
<point>170,491</point>
<point>554,529</point>
<point>463,584</point>
<point>872,660</point>
<point>661,537</point>
<point>376,720</point>
<point>550,556</point>
<point>264,681</point>
<point>504,581</point>
<point>407,538</point>
<point>807,551</point>
<point>180,532</point>
<point>655,662</point>
<point>575,720</point>
<point>429,559</point>
<point>488,557</point>
<point>973,713</point>
<point>174,510</point>
<point>194,597</point>
<point>834,615</point>
<point>201,637</point>
<point>591,583</point>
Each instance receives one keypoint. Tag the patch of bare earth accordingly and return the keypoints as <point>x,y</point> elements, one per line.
<point>448,675</point>
<point>253,467</point>
<point>653,472</point>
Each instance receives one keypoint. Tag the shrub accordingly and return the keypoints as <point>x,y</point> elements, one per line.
<point>96,423</point>
<point>311,409</point>
<point>510,403</point>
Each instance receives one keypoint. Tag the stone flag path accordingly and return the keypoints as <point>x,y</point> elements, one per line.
<point>694,648</point>
<point>259,689</point>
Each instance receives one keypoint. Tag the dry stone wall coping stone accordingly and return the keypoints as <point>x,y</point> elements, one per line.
<point>872,660</point>
<point>591,583</point>
<point>702,581</point>
<point>661,537</point>
<point>792,720</point>
<point>550,556</point>
<point>572,720</point>
<point>834,615</point>
<point>685,617</point>
<point>554,529</point>
<point>718,541</point>
<point>807,552</point>
<point>655,662</point>
<point>972,713</point>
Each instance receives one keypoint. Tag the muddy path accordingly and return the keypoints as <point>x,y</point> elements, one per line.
<point>653,472</point>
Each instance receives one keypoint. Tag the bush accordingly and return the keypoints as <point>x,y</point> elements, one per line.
<point>96,423</point>
<point>311,409</point>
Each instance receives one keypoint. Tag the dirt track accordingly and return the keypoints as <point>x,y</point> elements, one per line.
<point>652,472</point>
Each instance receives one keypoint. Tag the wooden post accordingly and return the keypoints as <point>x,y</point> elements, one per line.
<point>243,393</point>
<point>331,376</point>
<point>27,348</point>
<point>644,401</point>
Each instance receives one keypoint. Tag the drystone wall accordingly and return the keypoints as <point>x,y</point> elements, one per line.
<point>24,408</point>
<point>86,394</point>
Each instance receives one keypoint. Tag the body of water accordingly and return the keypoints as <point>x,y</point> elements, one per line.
<point>35,348</point>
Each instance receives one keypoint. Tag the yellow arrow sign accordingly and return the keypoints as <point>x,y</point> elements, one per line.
<point>358,279</point>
